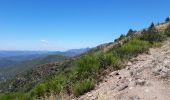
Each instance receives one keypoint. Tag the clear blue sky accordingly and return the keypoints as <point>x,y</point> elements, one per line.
<point>67,24</point>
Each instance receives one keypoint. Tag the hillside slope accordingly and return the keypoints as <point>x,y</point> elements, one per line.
<point>21,67</point>
<point>145,77</point>
<point>84,72</point>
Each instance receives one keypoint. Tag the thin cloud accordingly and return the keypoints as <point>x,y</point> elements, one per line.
<point>44,41</point>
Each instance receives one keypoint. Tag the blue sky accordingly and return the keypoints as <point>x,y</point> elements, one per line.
<point>68,24</point>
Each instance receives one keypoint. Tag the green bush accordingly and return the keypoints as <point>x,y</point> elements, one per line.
<point>39,90</point>
<point>16,96</point>
<point>82,87</point>
<point>152,35</point>
<point>54,86</point>
<point>158,37</point>
<point>86,66</point>
<point>108,59</point>
<point>58,83</point>
<point>131,48</point>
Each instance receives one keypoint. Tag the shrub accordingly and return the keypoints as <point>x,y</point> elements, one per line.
<point>16,96</point>
<point>39,90</point>
<point>58,83</point>
<point>109,59</point>
<point>113,61</point>
<point>167,31</point>
<point>131,48</point>
<point>152,35</point>
<point>82,87</point>
<point>156,44</point>
<point>86,66</point>
<point>130,32</point>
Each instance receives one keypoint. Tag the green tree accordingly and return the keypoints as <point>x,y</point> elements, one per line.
<point>130,32</point>
<point>167,19</point>
<point>82,87</point>
<point>121,36</point>
<point>152,26</point>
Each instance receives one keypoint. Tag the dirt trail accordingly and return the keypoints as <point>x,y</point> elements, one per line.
<point>146,77</point>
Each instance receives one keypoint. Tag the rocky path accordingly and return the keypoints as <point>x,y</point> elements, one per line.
<point>146,77</point>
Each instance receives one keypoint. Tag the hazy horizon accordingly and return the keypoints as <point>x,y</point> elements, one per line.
<point>43,50</point>
<point>55,25</point>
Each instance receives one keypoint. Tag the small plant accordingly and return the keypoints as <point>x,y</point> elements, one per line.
<point>39,90</point>
<point>156,44</point>
<point>109,60</point>
<point>87,66</point>
<point>82,87</point>
<point>58,83</point>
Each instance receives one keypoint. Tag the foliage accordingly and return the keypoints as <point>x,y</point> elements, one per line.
<point>16,96</point>
<point>82,87</point>
<point>130,32</point>
<point>120,38</point>
<point>156,44</point>
<point>56,85</point>
<point>152,35</point>
<point>131,48</point>
<point>109,59</point>
<point>39,90</point>
<point>167,31</point>
<point>167,19</point>
<point>87,66</point>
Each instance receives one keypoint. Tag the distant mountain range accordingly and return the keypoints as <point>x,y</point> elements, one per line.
<point>13,62</point>
<point>73,52</point>
<point>8,58</point>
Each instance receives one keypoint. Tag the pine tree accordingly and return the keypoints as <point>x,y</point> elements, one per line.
<point>121,36</point>
<point>152,26</point>
<point>167,19</point>
<point>130,32</point>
